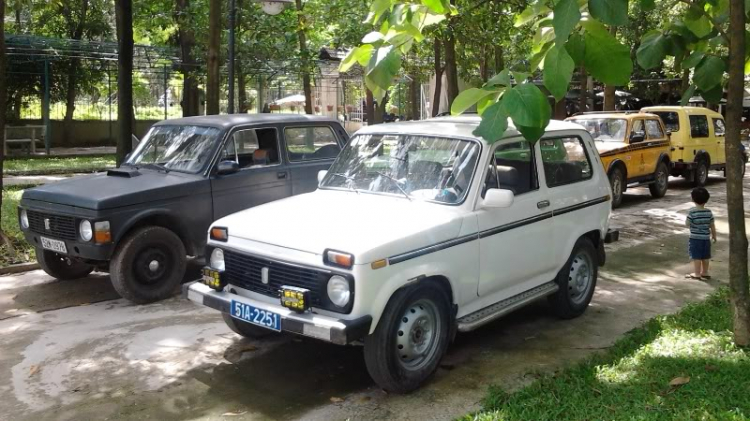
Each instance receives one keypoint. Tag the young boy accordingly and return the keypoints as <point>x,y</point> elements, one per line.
<point>702,231</point>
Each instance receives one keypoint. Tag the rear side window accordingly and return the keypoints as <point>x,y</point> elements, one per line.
<point>311,143</point>
<point>653,129</point>
<point>671,120</point>
<point>698,126</point>
<point>719,128</point>
<point>565,161</point>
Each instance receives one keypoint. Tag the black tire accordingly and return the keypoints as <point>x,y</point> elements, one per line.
<point>617,182</point>
<point>661,181</point>
<point>148,265</point>
<point>385,353</point>
<point>700,174</point>
<point>62,267</point>
<point>244,328</point>
<point>577,281</point>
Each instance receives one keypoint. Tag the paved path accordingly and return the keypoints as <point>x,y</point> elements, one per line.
<point>72,350</point>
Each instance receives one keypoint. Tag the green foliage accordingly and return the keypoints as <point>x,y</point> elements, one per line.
<point>566,17</point>
<point>709,73</point>
<point>494,123</point>
<point>468,98</point>
<point>607,59</point>
<point>610,12</point>
<point>558,71</point>
<point>653,49</point>
<point>23,251</point>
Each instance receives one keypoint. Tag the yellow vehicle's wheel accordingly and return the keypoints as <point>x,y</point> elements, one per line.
<point>617,182</point>
<point>701,173</point>
<point>661,181</point>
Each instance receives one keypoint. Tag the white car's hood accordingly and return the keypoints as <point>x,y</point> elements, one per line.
<point>370,226</point>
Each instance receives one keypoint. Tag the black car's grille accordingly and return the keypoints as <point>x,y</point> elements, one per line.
<point>245,272</point>
<point>63,227</point>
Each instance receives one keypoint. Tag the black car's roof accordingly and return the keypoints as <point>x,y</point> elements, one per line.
<point>230,120</point>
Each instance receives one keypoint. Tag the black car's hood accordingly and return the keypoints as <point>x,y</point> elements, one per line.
<point>117,189</point>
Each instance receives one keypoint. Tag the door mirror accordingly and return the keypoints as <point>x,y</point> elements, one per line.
<point>669,133</point>
<point>636,137</point>
<point>321,175</point>
<point>227,167</point>
<point>498,198</point>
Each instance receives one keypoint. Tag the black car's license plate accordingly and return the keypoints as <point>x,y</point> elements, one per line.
<point>256,316</point>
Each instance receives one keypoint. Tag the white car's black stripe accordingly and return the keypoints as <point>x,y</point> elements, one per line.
<point>492,231</point>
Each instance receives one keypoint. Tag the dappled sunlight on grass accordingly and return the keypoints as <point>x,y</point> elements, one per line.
<point>57,165</point>
<point>683,366</point>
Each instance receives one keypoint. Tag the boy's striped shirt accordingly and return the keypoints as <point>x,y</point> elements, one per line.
<point>700,221</point>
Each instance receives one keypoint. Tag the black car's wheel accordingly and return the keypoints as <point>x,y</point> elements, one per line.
<point>661,181</point>
<point>617,182</point>
<point>577,281</point>
<point>148,265</point>
<point>244,328</point>
<point>60,266</point>
<point>410,340</point>
<point>701,173</point>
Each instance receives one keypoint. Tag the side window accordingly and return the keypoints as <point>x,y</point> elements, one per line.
<point>569,163</point>
<point>719,128</point>
<point>698,126</point>
<point>311,143</point>
<point>638,133</point>
<point>513,169</point>
<point>653,129</point>
<point>253,147</point>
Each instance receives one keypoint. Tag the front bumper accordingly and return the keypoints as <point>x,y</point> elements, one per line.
<point>76,249</point>
<point>329,329</point>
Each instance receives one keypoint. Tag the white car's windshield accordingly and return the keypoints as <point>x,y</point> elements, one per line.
<point>417,167</point>
<point>179,148</point>
<point>605,129</point>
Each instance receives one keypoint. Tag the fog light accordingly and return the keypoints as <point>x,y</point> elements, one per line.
<point>297,299</point>
<point>85,231</point>
<point>338,290</point>
<point>213,279</point>
<point>217,259</point>
<point>24,219</point>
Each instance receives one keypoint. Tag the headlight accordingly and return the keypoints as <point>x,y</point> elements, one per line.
<point>338,290</point>
<point>217,259</point>
<point>85,230</point>
<point>24,219</point>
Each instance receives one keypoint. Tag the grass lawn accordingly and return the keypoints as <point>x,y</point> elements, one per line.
<point>679,367</point>
<point>24,251</point>
<point>57,165</point>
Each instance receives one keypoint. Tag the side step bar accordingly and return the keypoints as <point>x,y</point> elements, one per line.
<point>497,310</point>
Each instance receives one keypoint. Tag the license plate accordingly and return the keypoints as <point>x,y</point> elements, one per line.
<point>256,316</point>
<point>54,245</point>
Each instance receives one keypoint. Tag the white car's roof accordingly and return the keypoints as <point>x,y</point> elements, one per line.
<point>462,126</point>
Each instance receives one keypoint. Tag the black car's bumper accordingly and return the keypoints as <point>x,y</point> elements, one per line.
<point>329,329</point>
<point>76,249</point>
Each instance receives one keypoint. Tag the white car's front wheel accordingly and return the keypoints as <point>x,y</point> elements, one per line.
<point>410,340</point>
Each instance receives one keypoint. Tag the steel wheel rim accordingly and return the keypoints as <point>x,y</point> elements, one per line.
<point>580,277</point>
<point>146,272</point>
<point>702,173</point>
<point>417,335</point>
<point>617,188</point>
<point>661,180</point>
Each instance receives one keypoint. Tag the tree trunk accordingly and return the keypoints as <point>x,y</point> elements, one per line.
<point>124,18</point>
<point>369,108</point>
<point>583,98</point>
<point>380,109</point>
<point>451,69</point>
<point>413,99</point>
<point>484,65</point>
<point>214,41</point>
<point>17,105</point>
<point>609,98</point>
<point>499,59</point>
<point>685,81</point>
<point>241,81</point>
<point>3,103</point>
<point>738,273</point>
<point>70,101</point>
<point>438,79</point>
<point>186,39</point>
<point>306,86</point>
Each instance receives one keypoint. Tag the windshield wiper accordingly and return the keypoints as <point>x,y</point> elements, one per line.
<point>156,166</point>
<point>348,178</point>
<point>395,182</point>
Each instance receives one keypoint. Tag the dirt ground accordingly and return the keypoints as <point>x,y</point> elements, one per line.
<point>74,351</point>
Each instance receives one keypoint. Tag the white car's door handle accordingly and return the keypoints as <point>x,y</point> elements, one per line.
<point>543,204</point>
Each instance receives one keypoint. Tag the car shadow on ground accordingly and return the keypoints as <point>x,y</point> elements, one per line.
<point>637,195</point>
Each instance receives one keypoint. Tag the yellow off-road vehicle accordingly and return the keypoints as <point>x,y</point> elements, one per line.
<point>634,149</point>
<point>697,137</point>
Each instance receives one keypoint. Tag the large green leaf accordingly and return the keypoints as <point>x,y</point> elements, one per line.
<point>527,106</point>
<point>565,18</point>
<point>502,78</point>
<point>558,71</point>
<point>648,5</point>
<point>652,51</point>
<point>494,123</point>
<point>700,26</point>
<point>468,98</point>
<point>377,9</point>
<point>538,57</point>
<point>373,36</point>
<point>435,5</point>
<point>359,55</point>
<point>576,47</point>
<point>693,59</point>
<point>687,95</point>
<point>383,67</point>
<point>531,12</point>
<point>532,134</point>
<point>607,59</point>
<point>713,95</point>
<point>610,12</point>
<point>485,102</point>
<point>709,73</point>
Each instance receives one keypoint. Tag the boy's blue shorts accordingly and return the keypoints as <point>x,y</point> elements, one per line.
<point>699,249</point>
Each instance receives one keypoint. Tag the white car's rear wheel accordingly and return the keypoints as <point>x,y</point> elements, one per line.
<point>577,281</point>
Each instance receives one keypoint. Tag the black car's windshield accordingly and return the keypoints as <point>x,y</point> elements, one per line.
<point>179,148</point>
<point>417,167</point>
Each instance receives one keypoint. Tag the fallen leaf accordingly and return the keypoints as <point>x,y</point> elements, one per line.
<point>597,391</point>
<point>335,399</point>
<point>233,414</point>
<point>679,381</point>
<point>33,370</point>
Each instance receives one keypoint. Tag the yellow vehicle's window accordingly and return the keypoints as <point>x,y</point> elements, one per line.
<point>605,129</point>
<point>698,126</point>
<point>671,120</point>
<point>719,127</point>
<point>653,129</point>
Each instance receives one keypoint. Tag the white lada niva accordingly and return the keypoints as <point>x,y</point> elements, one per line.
<point>417,231</point>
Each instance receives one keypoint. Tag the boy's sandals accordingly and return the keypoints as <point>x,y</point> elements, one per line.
<point>693,276</point>
<point>706,277</point>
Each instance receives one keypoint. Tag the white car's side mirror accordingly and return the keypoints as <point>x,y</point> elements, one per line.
<point>498,198</point>
<point>321,175</point>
